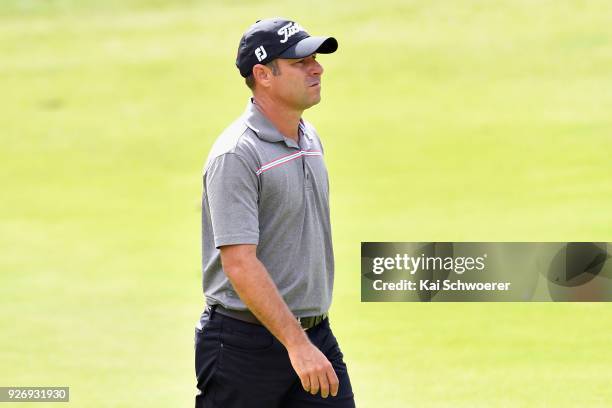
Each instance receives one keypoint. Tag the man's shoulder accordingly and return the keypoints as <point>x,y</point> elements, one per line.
<point>237,139</point>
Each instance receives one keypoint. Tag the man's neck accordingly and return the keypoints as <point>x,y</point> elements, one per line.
<point>284,119</point>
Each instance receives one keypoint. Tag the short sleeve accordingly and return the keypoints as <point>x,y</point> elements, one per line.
<point>231,188</point>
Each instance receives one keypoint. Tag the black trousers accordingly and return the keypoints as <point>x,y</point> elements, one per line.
<point>242,365</point>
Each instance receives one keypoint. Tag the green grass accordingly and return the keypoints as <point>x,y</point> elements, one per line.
<point>467,120</point>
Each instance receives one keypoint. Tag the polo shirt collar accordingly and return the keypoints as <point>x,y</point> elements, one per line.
<point>263,128</point>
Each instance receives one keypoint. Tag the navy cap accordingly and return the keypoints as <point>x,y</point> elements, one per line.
<point>274,38</point>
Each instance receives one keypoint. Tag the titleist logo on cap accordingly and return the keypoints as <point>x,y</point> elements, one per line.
<point>288,30</point>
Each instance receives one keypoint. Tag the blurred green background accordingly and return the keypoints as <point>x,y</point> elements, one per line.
<point>441,120</point>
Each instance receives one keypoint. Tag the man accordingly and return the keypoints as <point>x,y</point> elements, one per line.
<point>264,339</point>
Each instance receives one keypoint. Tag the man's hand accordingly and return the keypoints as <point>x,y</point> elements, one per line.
<point>315,371</point>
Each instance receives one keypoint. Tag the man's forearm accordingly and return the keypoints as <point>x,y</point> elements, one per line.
<point>253,284</point>
<point>255,287</point>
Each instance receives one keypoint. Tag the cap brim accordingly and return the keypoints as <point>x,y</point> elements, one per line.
<point>309,46</point>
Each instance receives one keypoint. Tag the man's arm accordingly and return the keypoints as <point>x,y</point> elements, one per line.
<point>253,284</point>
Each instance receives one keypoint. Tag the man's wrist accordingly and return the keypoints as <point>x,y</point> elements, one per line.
<point>296,338</point>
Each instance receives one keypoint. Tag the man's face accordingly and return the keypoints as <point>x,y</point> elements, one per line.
<point>298,83</point>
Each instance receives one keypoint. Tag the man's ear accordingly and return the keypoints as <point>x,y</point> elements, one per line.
<point>262,75</point>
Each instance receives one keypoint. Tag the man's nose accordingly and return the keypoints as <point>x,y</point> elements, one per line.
<point>317,69</point>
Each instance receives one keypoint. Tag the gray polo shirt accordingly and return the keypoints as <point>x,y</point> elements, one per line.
<point>263,188</point>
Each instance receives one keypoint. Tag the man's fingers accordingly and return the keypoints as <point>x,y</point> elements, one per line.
<point>305,382</point>
<point>315,371</point>
<point>324,383</point>
<point>314,384</point>
<point>334,384</point>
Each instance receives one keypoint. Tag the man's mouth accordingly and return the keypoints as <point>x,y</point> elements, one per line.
<point>315,84</point>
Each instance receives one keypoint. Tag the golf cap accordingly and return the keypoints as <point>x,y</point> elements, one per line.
<point>274,38</point>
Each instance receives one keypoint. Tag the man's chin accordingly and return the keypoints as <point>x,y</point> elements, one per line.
<point>313,102</point>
